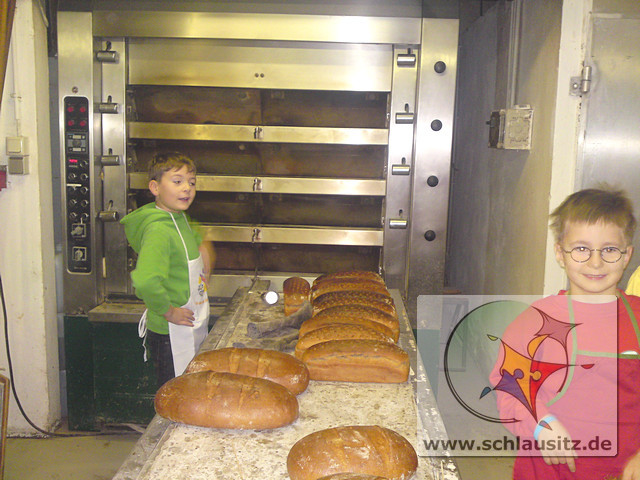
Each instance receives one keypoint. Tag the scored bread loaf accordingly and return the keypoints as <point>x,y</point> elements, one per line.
<point>273,365</point>
<point>338,332</point>
<point>349,275</point>
<point>347,285</point>
<point>357,361</point>
<point>344,312</point>
<point>226,400</point>
<point>352,476</point>
<point>355,297</point>
<point>361,449</point>
<point>296,291</point>
<point>315,323</point>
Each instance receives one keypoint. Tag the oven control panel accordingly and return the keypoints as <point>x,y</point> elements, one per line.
<point>77,184</point>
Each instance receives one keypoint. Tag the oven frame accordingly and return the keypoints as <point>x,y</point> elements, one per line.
<point>419,139</point>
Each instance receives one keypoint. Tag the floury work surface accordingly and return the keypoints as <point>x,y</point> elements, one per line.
<point>169,450</point>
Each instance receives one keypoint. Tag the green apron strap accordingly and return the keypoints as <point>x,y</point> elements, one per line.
<point>627,306</point>
<point>574,353</point>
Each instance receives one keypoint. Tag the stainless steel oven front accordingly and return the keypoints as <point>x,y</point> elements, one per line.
<point>322,142</point>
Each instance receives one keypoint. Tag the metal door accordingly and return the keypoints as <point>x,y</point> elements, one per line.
<point>611,124</point>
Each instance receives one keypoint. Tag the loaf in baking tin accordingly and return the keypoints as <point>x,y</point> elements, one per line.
<point>357,361</point>
<point>381,301</point>
<point>315,323</point>
<point>361,449</point>
<point>349,275</point>
<point>343,313</point>
<point>338,332</point>
<point>348,285</point>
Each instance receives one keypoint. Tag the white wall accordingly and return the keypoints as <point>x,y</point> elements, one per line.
<point>26,230</point>
<point>566,124</point>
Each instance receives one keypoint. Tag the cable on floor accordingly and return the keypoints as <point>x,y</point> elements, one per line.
<point>15,393</point>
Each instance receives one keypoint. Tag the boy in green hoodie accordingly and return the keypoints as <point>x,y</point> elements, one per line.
<point>173,266</point>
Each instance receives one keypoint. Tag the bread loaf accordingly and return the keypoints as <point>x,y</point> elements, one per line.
<point>355,297</point>
<point>349,275</point>
<point>226,400</point>
<point>337,314</point>
<point>348,285</point>
<point>315,323</point>
<point>338,332</point>
<point>352,476</point>
<point>357,361</point>
<point>365,449</point>
<point>278,367</point>
<point>295,290</point>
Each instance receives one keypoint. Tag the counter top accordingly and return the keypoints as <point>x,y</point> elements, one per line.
<point>173,450</point>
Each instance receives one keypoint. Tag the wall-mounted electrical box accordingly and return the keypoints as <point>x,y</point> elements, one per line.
<point>18,152</point>
<point>511,128</point>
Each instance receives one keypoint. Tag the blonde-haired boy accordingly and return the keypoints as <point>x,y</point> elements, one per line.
<point>592,328</point>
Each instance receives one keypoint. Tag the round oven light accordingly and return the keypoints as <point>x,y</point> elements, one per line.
<point>270,297</point>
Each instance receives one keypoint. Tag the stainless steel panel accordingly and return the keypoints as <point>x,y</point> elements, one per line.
<point>364,68</point>
<point>76,78</point>
<point>114,177</point>
<point>398,199</point>
<point>433,134</point>
<point>612,127</point>
<point>290,235</point>
<point>308,186</point>
<point>308,28</point>
<point>181,131</point>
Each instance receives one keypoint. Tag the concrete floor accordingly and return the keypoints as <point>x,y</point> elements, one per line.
<point>73,458</point>
<point>485,468</point>
<point>99,457</point>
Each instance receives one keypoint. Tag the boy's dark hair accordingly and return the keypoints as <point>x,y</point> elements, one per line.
<point>164,162</point>
<point>594,205</point>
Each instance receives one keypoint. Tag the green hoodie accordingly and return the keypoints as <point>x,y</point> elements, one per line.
<point>161,276</point>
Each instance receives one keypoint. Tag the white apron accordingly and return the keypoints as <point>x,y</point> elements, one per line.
<point>186,341</point>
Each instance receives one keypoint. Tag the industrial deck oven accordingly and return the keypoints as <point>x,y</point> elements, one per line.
<point>322,143</point>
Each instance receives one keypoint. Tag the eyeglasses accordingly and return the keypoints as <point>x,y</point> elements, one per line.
<point>583,254</point>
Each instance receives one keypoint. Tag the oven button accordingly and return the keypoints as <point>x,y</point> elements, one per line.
<point>78,230</point>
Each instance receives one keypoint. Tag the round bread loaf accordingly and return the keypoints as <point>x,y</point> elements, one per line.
<point>357,361</point>
<point>338,332</point>
<point>273,365</point>
<point>363,449</point>
<point>226,400</point>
